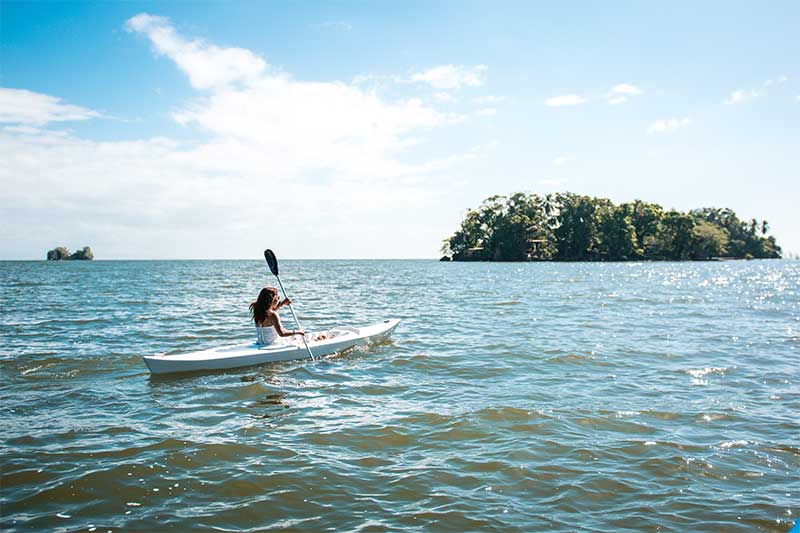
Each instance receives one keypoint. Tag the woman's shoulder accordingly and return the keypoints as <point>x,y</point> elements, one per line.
<point>269,318</point>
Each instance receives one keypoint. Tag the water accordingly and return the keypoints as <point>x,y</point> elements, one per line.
<point>512,397</point>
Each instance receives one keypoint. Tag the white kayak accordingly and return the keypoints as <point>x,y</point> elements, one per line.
<point>249,354</point>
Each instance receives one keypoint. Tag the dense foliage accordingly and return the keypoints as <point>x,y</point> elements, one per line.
<point>571,227</point>
<point>62,254</point>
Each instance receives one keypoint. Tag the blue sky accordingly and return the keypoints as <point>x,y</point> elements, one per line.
<point>354,129</point>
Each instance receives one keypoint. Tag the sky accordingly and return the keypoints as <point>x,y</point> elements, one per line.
<point>152,130</point>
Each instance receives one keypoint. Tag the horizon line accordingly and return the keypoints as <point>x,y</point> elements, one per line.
<point>229,259</point>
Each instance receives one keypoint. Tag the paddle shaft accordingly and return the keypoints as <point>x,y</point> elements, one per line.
<point>297,322</point>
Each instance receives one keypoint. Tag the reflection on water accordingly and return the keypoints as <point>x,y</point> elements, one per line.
<point>548,396</point>
<point>270,406</point>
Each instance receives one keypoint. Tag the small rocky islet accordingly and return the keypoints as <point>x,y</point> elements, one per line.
<point>61,253</point>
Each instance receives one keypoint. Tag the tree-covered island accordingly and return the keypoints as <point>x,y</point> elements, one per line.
<point>572,227</point>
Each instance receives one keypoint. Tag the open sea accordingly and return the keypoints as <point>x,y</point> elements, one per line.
<point>512,397</point>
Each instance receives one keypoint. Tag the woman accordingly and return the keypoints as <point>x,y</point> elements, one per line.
<point>265,314</point>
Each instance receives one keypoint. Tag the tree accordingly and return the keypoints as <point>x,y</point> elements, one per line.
<point>675,236</point>
<point>617,239</point>
<point>709,240</point>
<point>468,236</point>
<point>645,218</point>
<point>513,223</point>
<point>575,235</point>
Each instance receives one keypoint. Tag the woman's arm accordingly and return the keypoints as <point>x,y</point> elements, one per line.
<point>276,321</point>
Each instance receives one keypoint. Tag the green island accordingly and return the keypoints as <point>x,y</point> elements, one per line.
<point>61,253</point>
<point>572,227</point>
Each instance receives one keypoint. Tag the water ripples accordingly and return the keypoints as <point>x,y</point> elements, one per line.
<point>513,397</point>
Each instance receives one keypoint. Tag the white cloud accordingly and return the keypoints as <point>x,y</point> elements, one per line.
<point>486,112</point>
<point>626,89</point>
<point>565,100</point>
<point>289,126</point>
<point>620,93</point>
<point>275,151</point>
<point>667,125</point>
<point>743,95</point>
<point>302,126</point>
<point>208,66</point>
<point>779,80</point>
<point>161,198</point>
<point>738,97</point>
<point>562,160</point>
<point>452,76</point>
<point>19,106</point>
<point>443,77</point>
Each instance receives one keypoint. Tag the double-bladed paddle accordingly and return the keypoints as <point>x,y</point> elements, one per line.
<point>272,261</point>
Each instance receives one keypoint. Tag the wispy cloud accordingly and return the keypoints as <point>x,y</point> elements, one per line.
<point>443,77</point>
<point>620,93</point>
<point>668,125</point>
<point>565,100</point>
<point>626,88</point>
<point>777,81</point>
<point>19,106</point>
<point>562,160</point>
<point>208,66</point>
<point>486,112</point>
<point>741,96</point>
<point>452,76</point>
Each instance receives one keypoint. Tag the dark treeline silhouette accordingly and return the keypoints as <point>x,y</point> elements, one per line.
<point>571,227</point>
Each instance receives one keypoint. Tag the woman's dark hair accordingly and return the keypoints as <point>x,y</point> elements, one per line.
<point>259,308</point>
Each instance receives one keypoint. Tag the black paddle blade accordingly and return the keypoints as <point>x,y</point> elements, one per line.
<point>272,261</point>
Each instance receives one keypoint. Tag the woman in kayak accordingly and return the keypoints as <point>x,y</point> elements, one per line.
<point>264,312</point>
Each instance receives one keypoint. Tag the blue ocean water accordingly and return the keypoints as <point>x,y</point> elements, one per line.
<point>514,397</point>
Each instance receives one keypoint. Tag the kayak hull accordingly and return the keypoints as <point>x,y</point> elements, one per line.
<point>251,354</point>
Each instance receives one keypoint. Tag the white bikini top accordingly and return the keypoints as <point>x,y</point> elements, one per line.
<point>266,335</point>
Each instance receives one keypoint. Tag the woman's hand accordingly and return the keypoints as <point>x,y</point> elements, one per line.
<point>286,301</point>
<point>299,332</point>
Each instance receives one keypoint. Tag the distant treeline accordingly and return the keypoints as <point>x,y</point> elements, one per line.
<point>571,227</point>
